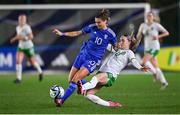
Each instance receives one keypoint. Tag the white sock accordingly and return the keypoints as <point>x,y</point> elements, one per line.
<point>152,69</point>
<point>19,71</point>
<point>160,75</point>
<point>91,84</point>
<point>37,66</point>
<point>97,100</point>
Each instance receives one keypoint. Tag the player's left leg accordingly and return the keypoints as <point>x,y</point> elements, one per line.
<point>30,55</point>
<point>100,80</point>
<point>95,99</point>
<point>37,66</point>
<point>149,54</point>
<point>145,61</point>
<point>72,72</point>
<point>160,74</point>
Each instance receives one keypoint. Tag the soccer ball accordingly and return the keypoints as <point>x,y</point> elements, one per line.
<point>56,91</point>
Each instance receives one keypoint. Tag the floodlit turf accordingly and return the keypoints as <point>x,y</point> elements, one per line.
<point>137,93</point>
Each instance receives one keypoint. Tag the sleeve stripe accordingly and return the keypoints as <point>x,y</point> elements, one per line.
<point>110,31</point>
<point>132,59</point>
<point>92,25</point>
<point>83,31</point>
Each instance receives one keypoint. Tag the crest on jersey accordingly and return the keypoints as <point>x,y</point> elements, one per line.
<point>105,36</point>
<point>120,53</point>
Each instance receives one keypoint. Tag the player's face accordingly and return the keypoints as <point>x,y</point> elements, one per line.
<point>22,20</point>
<point>100,23</point>
<point>150,17</point>
<point>123,43</point>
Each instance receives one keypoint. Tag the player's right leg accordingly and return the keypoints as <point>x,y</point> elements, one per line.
<point>19,59</point>
<point>101,78</point>
<point>160,74</point>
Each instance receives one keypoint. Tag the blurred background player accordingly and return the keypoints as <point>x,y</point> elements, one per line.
<point>109,71</point>
<point>24,36</point>
<point>91,52</point>
<point>150,31</point>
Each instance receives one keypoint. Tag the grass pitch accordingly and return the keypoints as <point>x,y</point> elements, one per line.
<point>137,93</point>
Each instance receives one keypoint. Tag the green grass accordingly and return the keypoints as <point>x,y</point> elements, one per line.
<point>137,93</point>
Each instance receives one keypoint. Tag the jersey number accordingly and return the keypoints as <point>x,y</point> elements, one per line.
<point>98,41</point>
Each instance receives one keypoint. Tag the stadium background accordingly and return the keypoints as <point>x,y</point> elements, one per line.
<point>59,54</point>
<point>54,52</point>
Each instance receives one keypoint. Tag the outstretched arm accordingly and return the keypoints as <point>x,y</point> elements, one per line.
<point>69,34</point>
<point>138,66</point>
<point>135,63</point>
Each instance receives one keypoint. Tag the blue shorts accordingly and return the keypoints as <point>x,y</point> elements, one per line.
<point>87,62</point>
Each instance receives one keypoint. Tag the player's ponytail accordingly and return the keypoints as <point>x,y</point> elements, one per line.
<point>104,15</point>
<point>133,43</point>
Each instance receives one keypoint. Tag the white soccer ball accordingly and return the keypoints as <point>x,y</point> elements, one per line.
<point>56,91</point>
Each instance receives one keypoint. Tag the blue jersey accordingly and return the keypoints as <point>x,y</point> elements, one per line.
<point>99,39</point>
<point>93,50</point>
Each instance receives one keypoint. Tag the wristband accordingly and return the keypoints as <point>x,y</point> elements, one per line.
<point>63,34</point>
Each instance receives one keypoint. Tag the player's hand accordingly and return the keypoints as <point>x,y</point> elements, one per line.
<point>145,69</point>
<point>57,32</point>
<point>13,40</point>
<point>155,37</point>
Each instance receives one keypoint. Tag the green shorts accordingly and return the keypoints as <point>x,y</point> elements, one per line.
<point>28,52</point>
<point>152,52</point>
<point>111,80</point>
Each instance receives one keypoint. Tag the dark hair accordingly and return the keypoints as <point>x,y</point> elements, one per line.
<point>104,15</point>
<point>133,42</point>
<point>21,15</point>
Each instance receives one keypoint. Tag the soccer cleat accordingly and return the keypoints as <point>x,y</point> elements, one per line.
<point>163,86</point>
<point>83,92</point>
<point>58,102</point>
<point>17,81</point>
<point>40,76</point>
<point>80,90</point>
<point>114,104</point>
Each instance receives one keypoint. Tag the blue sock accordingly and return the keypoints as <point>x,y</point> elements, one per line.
<point>69,91</point>
<point>83,81</point>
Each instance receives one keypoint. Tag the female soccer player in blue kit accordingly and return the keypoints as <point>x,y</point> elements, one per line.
<point>91,51</point>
